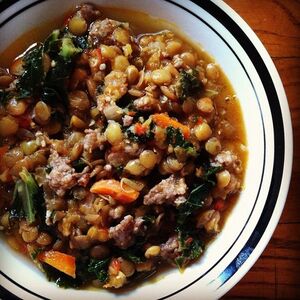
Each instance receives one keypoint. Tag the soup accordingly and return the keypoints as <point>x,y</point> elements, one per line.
<point>122,148</point>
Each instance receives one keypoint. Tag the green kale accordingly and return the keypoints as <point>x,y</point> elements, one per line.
<point>30,81</point>
<point>133,258</point>
<point>61,279</point>
<point>149,219</point>
<point>210,173</point>
<point>176,139</point>
<point>80,42</point>
<point>99,268</point>
<point>68,50</point>
<point>197,196</point>
<point>51,42</point>
<point>50,95</point>
<point>191,248</point>
<point>78,165</point>
<point>119,170</point>
<point>4,96</point>
<point>16,211</point>
<point>188,84</point>
<point>34,254</point>
<point>55,83</point>
<point>64,43</point>
<point>133,254</point>
<point>25,197</point>
<point>140,138</point>
<point>194,202</point>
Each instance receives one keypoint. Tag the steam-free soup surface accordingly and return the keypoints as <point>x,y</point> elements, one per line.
<point>122,147</point>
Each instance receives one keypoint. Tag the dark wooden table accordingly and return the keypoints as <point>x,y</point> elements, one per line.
<point>276,274</point>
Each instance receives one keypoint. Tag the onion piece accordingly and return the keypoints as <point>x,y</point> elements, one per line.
<point>134,184</point>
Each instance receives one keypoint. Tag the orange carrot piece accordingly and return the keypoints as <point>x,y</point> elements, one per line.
<point>113,188</point>
<point>60,261</point>
<point>139,129</point>
<point>164,121</point>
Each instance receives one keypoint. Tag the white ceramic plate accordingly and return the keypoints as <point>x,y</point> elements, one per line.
<point>250,226</point>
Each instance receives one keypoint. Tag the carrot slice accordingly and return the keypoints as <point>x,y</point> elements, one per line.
<point>113,188</point>
<point>60,261</point>
<point>164,121</point>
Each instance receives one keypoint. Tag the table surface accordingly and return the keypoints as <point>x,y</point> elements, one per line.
<point>276,273</point>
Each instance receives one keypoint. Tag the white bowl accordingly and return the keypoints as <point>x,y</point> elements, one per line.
<point>224,35</point>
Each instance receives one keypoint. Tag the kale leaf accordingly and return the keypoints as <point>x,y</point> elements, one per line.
<point>31,79</point>
<point>188,83</point>
<point>99,268</point>
<point>80,42</point>
<point>176,139</point>
<point>61,279</point>
<point>191,248</point>
<point>197,196</point>
<point>78,165</point>
<point>16,211</point>
<point>51,43</point>
<point>140,138</point>
<point>194,202</point>
<point>133,254</point>
<point>25,197</point>
<point>5,96</point>
<point>149,219</point>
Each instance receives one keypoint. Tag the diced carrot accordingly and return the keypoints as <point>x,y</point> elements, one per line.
<point>164,121</point>
<point>199,121</point>
<point>60,261</point>
<point>220,205</point>
<point>113,188</point>
<point>131,113</point>
<point>139,129</point>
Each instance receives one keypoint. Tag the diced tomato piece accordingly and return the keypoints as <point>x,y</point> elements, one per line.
<point>220,205</point>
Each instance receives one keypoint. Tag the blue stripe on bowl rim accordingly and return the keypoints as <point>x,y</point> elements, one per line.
<point>278,130</point>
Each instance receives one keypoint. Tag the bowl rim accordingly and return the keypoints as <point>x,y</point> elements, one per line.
<point>283,148</point>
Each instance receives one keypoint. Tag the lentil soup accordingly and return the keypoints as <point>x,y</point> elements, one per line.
<point>122,147</point>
